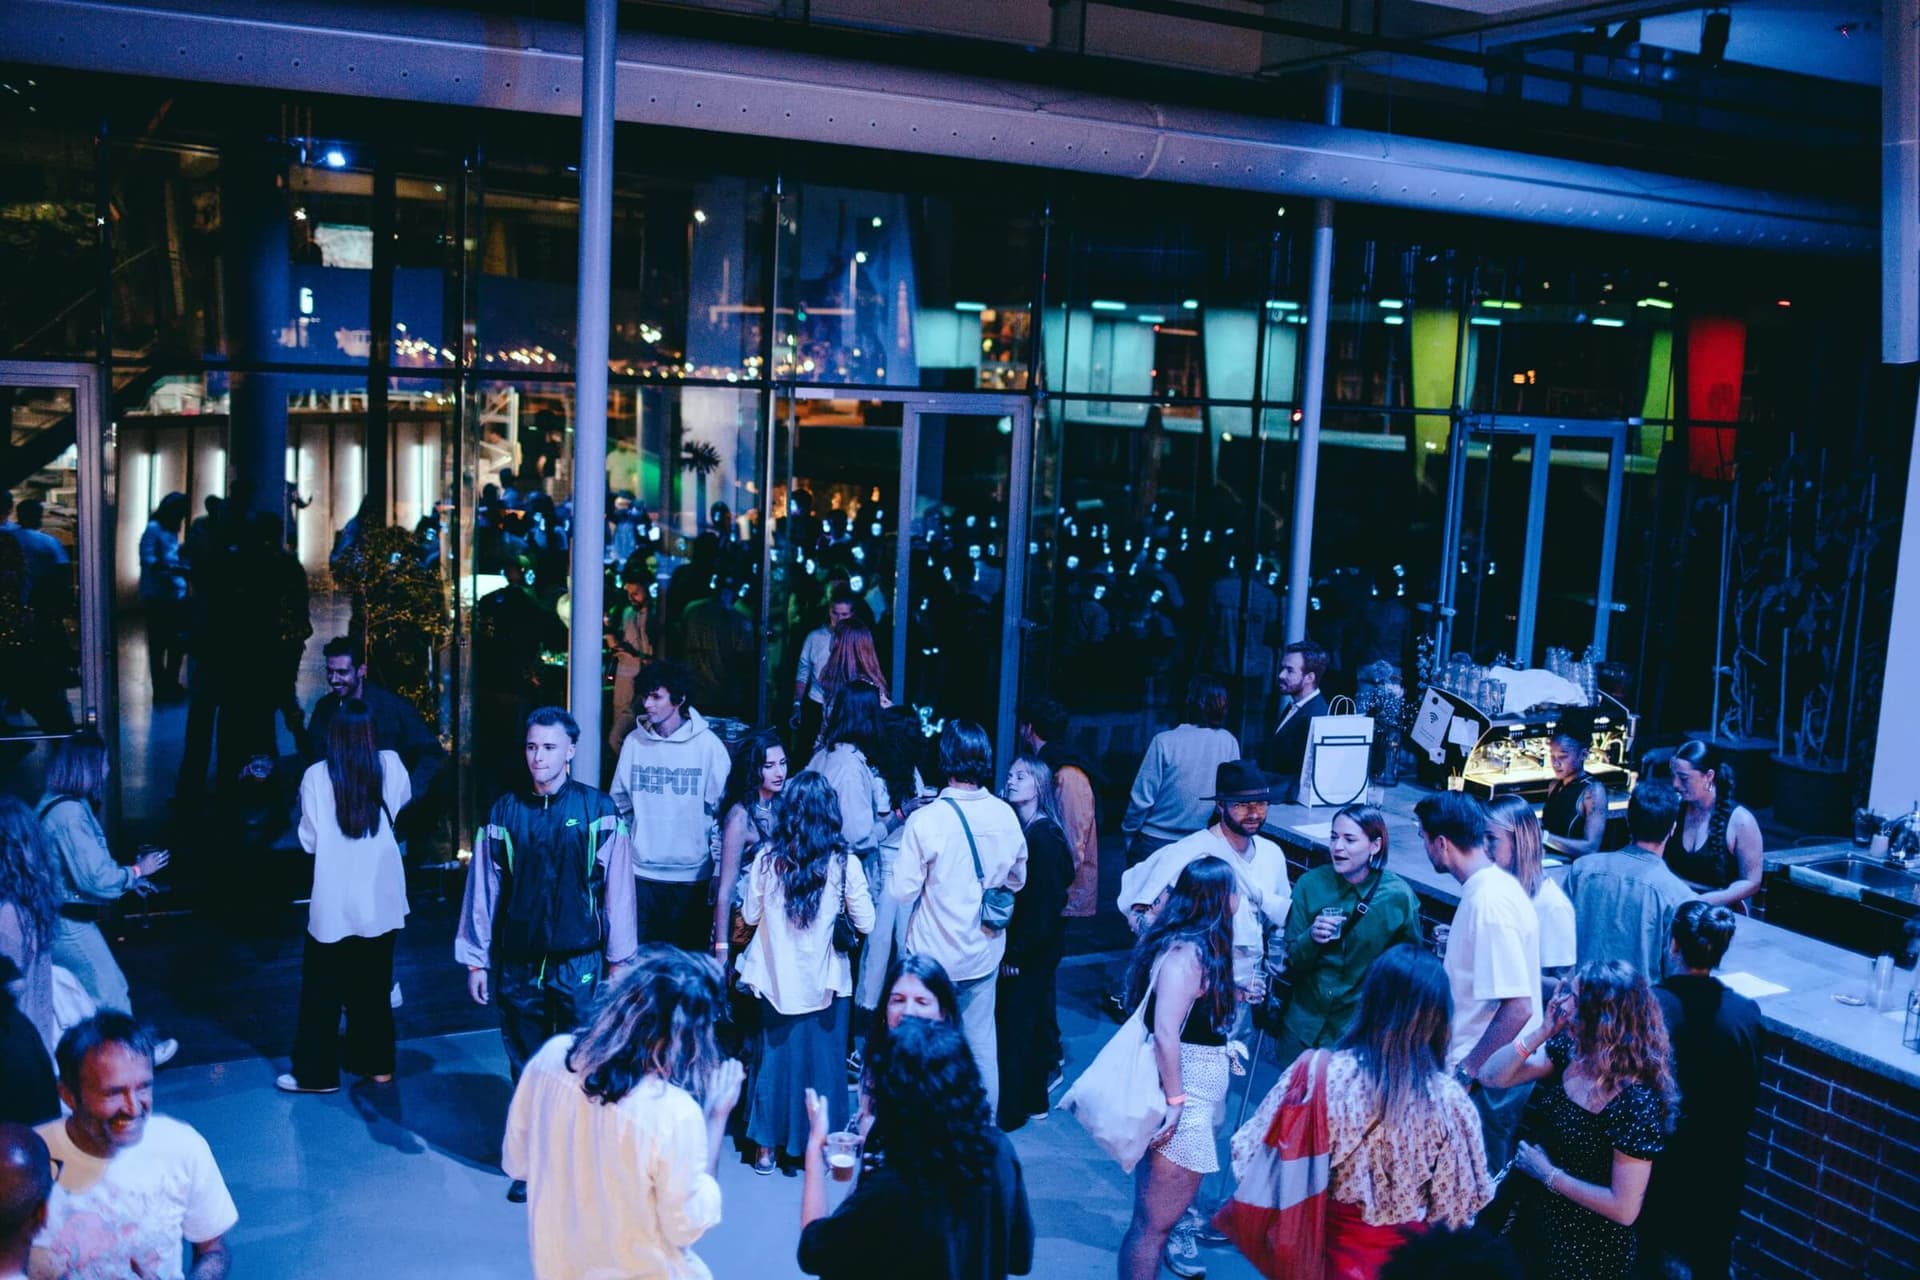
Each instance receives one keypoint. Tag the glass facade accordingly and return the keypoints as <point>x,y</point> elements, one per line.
<point>1043,426</point>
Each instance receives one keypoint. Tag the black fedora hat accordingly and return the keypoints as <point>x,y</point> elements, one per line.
<point>1240,780</point>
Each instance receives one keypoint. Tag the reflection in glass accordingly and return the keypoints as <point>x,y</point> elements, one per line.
<point>39,551</point>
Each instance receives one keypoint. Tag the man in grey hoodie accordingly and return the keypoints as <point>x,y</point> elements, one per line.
<point>667,788</point>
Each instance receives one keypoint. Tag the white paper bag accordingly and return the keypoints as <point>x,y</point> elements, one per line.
<point>1339,756</point>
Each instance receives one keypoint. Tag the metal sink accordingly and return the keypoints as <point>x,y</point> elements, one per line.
<point>1865,873</point>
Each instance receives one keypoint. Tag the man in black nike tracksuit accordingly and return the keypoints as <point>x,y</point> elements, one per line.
<point>549,904</point>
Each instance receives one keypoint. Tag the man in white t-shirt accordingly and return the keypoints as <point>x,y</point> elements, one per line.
<point>952,852</point>
<point>129,1185</point>
<point>1242,796</point>
<point>26,1179</point>
<point>1492,960</point>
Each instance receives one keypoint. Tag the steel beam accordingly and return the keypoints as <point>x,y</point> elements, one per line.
<point>503,63</point>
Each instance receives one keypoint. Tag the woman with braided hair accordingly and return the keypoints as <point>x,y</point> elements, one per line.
<point>1716,844</point>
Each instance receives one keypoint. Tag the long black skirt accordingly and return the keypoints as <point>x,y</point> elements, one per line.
<point>797,1053</point>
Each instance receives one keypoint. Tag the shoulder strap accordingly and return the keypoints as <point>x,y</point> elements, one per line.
<point>1366,903</point>
<point>48,805</point>
<point>979,872</point>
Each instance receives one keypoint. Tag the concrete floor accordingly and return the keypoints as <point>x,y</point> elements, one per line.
<point>401,1181</point>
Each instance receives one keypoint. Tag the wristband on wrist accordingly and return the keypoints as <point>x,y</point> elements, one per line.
<point>1177,1100</point>
<point>1521,1047</point>
<point>1553,1179</point>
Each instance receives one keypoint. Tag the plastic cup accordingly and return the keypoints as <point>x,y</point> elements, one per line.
<point>843,1156</point>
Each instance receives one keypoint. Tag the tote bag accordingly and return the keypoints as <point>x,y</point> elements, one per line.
<point>1117,1099</point>
<point>1339,753</point>
<point>1282,1159</point>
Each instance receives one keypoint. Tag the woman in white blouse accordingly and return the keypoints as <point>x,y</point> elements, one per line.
<point>799,885</point>
<point>347,805</point>
<point>1405,1142</point>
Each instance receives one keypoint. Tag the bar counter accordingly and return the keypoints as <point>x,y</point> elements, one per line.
<point>1833,1157</point>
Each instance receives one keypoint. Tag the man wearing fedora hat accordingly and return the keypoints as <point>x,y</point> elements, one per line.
<point>1242,792</point>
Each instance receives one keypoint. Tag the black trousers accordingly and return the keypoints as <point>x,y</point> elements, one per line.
<point>1023,1007</point>
<point>679,915</point>
<point>354,974</point>
<point>542,997</point>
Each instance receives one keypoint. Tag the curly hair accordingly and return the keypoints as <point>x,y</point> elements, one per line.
<point>1199,913</point>
<point>1620,1033</point>
<point>928,1098</point>
<point>657,1019</point>
<point>27,878</point>
<point>806,837</point>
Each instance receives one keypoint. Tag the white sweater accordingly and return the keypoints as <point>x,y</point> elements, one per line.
<point>615,1191</point>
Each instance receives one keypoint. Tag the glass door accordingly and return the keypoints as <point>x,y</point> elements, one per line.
<point>53,665</point>
<point>907,502</point>
<point>1535,505</point>
<point>965,561</point>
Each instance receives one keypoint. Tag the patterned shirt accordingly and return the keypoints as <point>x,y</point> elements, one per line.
<point>1426,1166</point>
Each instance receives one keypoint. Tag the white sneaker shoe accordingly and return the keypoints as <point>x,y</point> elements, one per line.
<point>394,998</point>
<point>1183,1256</point>
<point>164,1050</point>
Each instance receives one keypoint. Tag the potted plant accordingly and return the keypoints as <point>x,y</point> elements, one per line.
<point>1380,694</point>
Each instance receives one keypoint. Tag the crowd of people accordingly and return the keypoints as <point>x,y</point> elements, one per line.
<point>853,965</point>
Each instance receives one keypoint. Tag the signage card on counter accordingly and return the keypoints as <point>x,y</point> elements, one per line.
<point>1749,986</point>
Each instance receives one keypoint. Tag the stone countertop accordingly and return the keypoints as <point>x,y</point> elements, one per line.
<point>1812,972</point>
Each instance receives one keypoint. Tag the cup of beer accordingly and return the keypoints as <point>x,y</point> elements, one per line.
<point>843,1156</point>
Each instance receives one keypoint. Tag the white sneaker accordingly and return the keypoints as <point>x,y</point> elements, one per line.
<point>394,998</point>
<point>1183,1256</point>
<point>164,1050</point>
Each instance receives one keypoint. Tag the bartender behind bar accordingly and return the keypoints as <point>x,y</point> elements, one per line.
<point>1574,819</point>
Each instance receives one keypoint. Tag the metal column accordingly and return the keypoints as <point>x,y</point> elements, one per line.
<point>590,365</point>
<point>1312,395</point>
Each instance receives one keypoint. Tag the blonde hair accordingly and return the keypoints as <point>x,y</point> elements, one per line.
<point>1515,816</point>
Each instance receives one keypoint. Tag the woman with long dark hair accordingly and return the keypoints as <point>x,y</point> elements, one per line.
<point>758,775</point>
<point>29,913</point>
<point>163,595</point>
<point>1404,1138</point>
<point>950,1203</point>
<point>1182,968</point>
<point>916,987</point>
<point>1716,843</point>
<point>1344,916</point>
<point>617,1128</point>
<point>801,882</point>
<point>1602,1112</point>
<point>849,742</point>
<point>1036,937</point>
<point>91,881</point>
<point>359,903</point>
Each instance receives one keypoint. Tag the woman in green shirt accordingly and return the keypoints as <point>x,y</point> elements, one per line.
<point>1344,917</point>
